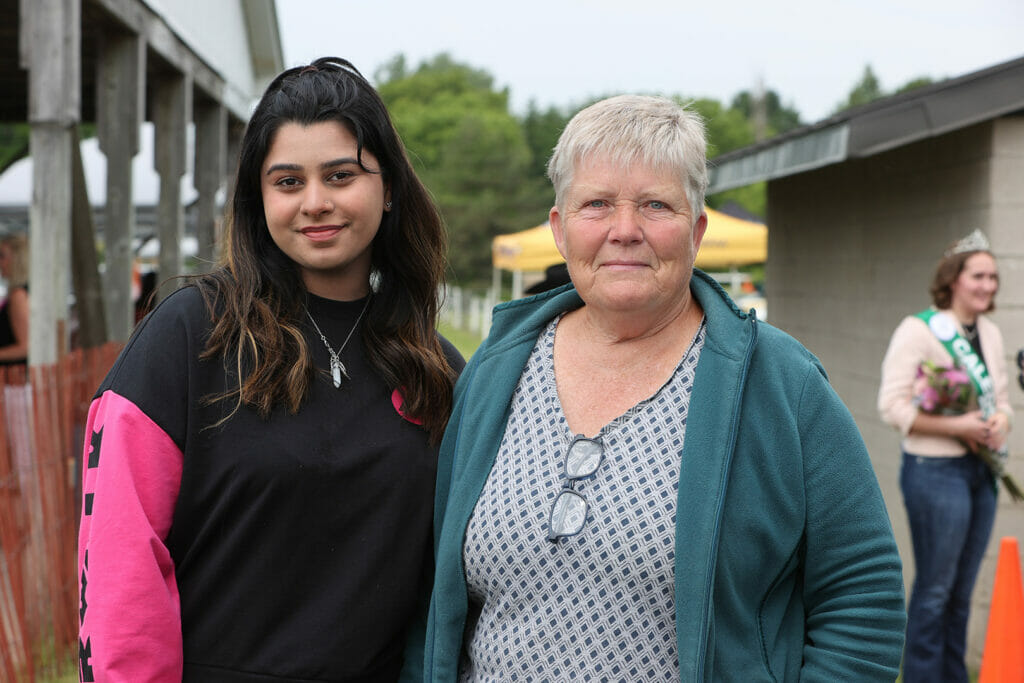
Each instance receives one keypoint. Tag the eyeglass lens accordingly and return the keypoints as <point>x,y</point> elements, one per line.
<point>568,515</point>
<point>582,458</point>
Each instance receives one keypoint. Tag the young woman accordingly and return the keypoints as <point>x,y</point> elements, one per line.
<point>948,489</point>
<point>260,461</point>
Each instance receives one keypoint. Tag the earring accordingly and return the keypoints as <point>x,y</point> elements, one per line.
<point>387,206</point>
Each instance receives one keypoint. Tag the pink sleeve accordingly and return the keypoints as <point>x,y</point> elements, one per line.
<point>130,623</point>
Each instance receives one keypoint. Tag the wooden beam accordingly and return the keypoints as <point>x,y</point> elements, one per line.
<point>165,43</point>
<point>171,112</point>
<point>50,48</point>
<point>120,86</point>
<point>85,272</point>
<point>211,152</point>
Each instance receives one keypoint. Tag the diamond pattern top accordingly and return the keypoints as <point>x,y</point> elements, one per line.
<point>598,605</point>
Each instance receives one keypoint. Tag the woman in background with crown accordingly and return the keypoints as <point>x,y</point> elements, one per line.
<point>944,387</point>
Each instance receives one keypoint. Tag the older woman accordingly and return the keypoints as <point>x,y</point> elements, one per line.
<point>640,482</point>
<point>948,490</point>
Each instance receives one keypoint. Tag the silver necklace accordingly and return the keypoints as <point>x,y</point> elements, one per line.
<point>337,367</point>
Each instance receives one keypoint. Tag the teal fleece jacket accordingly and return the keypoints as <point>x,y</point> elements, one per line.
<point>785,564</point>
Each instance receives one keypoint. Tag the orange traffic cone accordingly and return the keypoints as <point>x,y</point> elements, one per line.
<point>1003,660</point>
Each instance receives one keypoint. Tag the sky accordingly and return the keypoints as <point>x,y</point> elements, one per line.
<point>565,52</point>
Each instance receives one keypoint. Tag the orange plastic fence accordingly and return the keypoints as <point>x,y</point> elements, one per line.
<point>42,424</point>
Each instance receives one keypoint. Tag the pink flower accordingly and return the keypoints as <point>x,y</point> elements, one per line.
<point>942,389</point>
<point>957,376</point>
<point>928,399</point>
<point>947,390</point>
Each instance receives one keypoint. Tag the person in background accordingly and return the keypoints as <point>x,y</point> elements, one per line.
<point>14,264</point>
<point>554,276</point>
<point>260,460</point>
<point>949,491</point>
<point>640,482</point>
<point>144,301</point>
<point>1020,368</point>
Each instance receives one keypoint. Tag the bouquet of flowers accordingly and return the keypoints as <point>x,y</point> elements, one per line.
<point>947,390</point>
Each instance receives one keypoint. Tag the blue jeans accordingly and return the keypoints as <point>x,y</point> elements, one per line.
<point>951,504</point>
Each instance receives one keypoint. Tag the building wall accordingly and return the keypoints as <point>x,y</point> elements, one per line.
<point>217,32</point>
<point>851,251</point>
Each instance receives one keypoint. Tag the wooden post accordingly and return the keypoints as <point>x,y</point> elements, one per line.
<point>120,86</point>
<point>211,151</point>
<point>236,130</point>
<point>92,322</point>
<point>171,113</point>
<point>50,48</point>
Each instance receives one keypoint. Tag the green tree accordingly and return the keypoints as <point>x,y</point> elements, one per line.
<point>727,130</point>
<point>753,198</point>
<point>394,69</point>
<point>914,84</point>
<point>13,143</point>
<point>542,129</point>
<point>775,117</point>
<point>867,89</point>
<point>487,168</point>
<point>469,150</point>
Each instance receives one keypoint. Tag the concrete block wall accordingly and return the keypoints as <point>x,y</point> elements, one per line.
<point>851,251</point>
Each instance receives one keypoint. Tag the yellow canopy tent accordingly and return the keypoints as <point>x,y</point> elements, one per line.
<point>528,250</point>
<point>728,242</point>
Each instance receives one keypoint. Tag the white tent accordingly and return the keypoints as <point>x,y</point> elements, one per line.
<point>16,182</point>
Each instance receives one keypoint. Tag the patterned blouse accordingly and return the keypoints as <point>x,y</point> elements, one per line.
<point>598,605</point>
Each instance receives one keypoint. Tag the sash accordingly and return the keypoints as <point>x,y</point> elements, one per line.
<point>944,328</point>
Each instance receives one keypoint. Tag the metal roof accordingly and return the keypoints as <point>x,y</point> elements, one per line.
<point>876,127</point>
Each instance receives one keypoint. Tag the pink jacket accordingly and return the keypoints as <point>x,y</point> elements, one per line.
<point>911,344</point>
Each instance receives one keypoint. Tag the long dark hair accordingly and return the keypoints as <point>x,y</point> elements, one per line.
<point>257,294</point>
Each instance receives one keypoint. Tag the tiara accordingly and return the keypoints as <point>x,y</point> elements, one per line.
<point>976,241</point>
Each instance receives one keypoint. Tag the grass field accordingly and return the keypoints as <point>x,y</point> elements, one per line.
<point>465,342</point>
